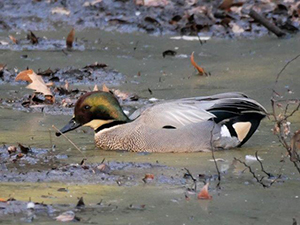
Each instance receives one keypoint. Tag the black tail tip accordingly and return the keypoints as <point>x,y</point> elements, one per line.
<point>57,134</point>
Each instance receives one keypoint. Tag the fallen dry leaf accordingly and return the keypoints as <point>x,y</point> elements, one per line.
<point>13,39</point>
<point>103,168</point>
<point>148,177</point>
<point>80,203</point>
<point>67,85</point>
<point>199,69</point>
<point>95,88</point>
<point>225,4</point>
<point>203,194</point>
<point>86,4</point>
<point>11,149</point>
<point>23,149</point>
<point>33,39</point>
<point>2,66</point>
<point>70,38</point>
<point>60,10</point>
<point>105,88</point>
<point>20,155</point>
<point>136,207</point>
<point>154,3</point>
<point>36,83</point>
<point>66,216</point>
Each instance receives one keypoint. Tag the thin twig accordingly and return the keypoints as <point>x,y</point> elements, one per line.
<point>293,112</point>
<point>278,75</point>
<point>201,43</point>
<point>50,136</point>
<point>213,156</point>
<point>68,139</point>
<point>194,180</point>
<point>261,166</point>
<point>253,174</point>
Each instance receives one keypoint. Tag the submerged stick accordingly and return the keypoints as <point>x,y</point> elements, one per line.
<point>267,24</point>
<point>68,139</point>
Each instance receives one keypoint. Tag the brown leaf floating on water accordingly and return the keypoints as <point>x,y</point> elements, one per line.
<point>70,38</point>
<point>203,194</point>
<point>13,39</point>
<point>36,83</point>
<point>198,68</point>
<point>148,177</point>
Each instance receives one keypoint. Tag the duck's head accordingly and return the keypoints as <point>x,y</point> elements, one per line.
<point>96,109</point>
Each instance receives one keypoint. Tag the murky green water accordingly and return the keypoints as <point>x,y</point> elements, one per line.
<point>249,66</point>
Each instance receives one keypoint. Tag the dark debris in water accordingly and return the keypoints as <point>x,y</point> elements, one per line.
<point>213,18</point>
<point>36,212</point>
<point>60,82</point>
<point>31,168</point>
<point>96,73</point>
<point>39,43</point>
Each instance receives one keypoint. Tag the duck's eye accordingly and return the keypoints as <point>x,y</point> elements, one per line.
<point>87,107</point>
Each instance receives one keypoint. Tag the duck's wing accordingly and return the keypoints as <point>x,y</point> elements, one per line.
<point>179,113</point>
<point>174,114</point>
<point>139,111</point>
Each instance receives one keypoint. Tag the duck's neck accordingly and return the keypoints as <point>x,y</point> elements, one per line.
<point>109,125</point>
<point>119,117</point>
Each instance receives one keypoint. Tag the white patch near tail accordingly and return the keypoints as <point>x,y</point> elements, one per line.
<point>242,129</point>
<point>225,132</point>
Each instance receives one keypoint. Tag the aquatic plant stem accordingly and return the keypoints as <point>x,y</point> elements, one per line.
<point>68,139</point>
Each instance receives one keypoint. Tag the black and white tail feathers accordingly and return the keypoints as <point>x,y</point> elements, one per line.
<point>239,116</point>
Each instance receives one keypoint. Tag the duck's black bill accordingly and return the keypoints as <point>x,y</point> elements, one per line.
<point>72,125</point>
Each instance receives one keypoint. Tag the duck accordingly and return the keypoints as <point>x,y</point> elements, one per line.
<point>196,124</point>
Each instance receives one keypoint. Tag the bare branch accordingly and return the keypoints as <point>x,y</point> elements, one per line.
<point>261,166</point>
<point>253,174</point>
<point>285,66</point>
